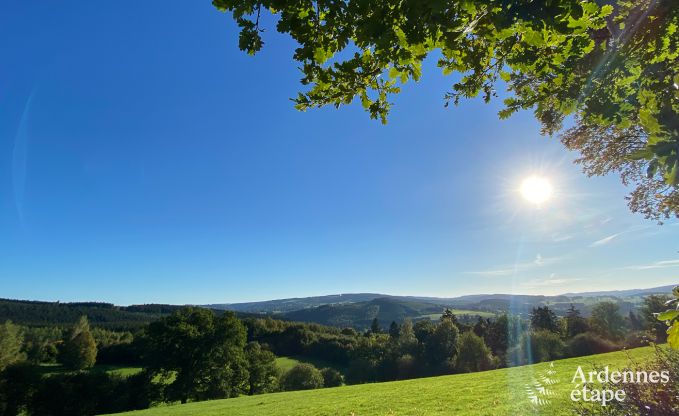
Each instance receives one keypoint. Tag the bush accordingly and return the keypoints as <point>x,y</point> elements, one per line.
<point>638,339</point>
<point>473,354</point>
<point>303,376</point>
<point>589,343</point>
<point>331,377</point>
<point>17,385</point>
<point>535,347</point>
<point>92,393</point>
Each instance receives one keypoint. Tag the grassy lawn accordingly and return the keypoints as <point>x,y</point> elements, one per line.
<point>49,369</point>
<point>286,363</point>
<point>497,392</point>
<point>460,312</point>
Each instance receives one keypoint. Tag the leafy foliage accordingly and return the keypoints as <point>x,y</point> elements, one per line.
<point>79,350</point>
<point>613,65</point>
<point>204,352</point>
<point>11,340</point>
<point>262,370</point>
<point>473,354</point>
<point>671,318</point>
<point>303,376</point>
<point>607,321</point>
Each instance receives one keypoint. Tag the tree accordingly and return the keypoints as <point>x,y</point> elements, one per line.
<point>18,383</point>
<point>407,341</point>
<point>481,326</point>
<point>79,350</point>
<point>609,63</point>
<point>262,370</point>
<point>535,347</point>
<point>575,324</point>
<point>303,376</point>
<point>423,329</point>
<point>205,353</point>
<point>473,354</point>
<point>331,377</point>
<point>441,346</point>
<point>607,321</point>
<point>393,330</point>
<point>449,315</point>
<point>653,305</point>
<point>544,318</point>
<point>11,341</point>
<point>375,326</point>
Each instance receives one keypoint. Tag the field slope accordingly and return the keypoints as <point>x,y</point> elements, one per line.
<point>499,392</point>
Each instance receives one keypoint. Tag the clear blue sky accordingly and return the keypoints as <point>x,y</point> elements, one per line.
<point>144,158</point>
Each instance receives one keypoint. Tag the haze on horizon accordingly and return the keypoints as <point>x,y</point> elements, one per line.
<point>145,159</point>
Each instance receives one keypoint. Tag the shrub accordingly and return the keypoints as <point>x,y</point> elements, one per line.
<point>303,376</point>
<point>331,377</point>
<point>589,343</point>
<point>638,339</point>
<point>535,347</point>
<point>473,354</point>
<point>17,385</point>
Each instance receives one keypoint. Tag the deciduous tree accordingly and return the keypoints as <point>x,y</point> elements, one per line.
<point>79,350</point>
<point>204,352</point>
<point>611,64</point>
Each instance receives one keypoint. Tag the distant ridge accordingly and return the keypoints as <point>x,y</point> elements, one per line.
<point>295,304</point>
<point>626,292</point>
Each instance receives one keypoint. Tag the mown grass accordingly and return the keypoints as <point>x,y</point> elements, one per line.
<point>497,392</point>
<point>284,364</point>
<point>460,312</point>
<point>51,369</point>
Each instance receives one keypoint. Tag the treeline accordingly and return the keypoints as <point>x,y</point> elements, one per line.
<point>35,313</point>
<point>196,354</point>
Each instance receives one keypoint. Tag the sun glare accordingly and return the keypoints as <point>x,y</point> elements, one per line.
<point>536,189</point>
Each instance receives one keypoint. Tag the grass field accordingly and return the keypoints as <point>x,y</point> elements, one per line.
<point>49,369</point>
<point>497,392</point>
<point>460,312</point>
<point>286,363</point>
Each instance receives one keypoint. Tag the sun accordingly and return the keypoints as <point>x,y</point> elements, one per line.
<point>536,189</point>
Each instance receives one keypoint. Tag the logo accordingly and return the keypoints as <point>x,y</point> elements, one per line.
<point>540,389</point>
<point>603,386</point>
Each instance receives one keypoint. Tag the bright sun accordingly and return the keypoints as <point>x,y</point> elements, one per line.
<point>536,189</point>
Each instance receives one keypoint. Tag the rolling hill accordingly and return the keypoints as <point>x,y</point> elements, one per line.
<point>497,392</point>
<point>361,314</point>
<point>358,309</point>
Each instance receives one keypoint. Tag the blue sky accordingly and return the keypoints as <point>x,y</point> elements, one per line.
<point>144,158</point>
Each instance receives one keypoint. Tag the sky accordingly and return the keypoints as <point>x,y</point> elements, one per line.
<point>145,159</point>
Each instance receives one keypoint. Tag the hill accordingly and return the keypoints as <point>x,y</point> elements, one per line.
<point>100,314</point>
<point>358,309</point>
<point>361,314</point>
<point>498,392</point>
<point>293,304</point>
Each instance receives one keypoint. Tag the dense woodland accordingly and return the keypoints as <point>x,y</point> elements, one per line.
<point>192,354</point>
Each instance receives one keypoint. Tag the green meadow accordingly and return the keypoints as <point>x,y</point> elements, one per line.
<point>498,392</point>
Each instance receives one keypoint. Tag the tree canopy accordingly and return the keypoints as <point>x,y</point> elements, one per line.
<point>611,65</point>
<point>79,350</point>
<point>204,352</point>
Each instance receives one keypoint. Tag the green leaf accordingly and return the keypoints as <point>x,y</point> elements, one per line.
<point>668,315</point>
<point>673,335</point>
<point>641,154</point>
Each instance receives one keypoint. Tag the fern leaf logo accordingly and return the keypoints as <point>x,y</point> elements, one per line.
<point>540,390</point>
